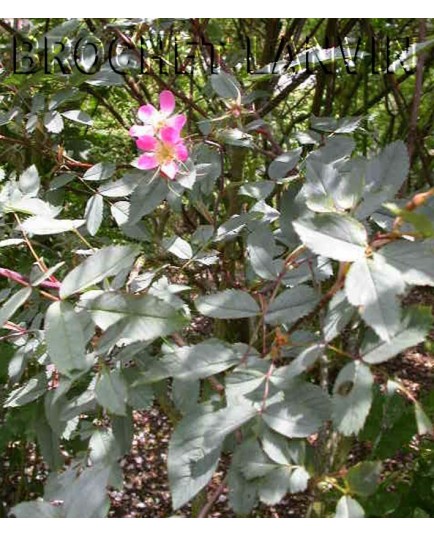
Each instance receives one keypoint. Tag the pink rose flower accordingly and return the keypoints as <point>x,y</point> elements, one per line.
<point>154,120</point>
<point>164,152</point>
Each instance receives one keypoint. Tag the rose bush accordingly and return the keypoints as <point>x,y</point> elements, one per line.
<point>299,247</point>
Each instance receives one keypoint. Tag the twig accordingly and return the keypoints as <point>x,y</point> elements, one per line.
<point>210,503</point>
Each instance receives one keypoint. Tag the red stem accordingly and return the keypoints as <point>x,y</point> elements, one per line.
<point>18,278</point>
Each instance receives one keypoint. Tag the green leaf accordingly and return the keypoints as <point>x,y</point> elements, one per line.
<point>283,164</point>
<point>363,478</point>
<point>100,172</point>
<point>352,397</point>
<point>225,86</point>
<point>30,391</point>
<point>301,414</point>
<point>291,305</point>
<point>111,392</point>
<point>11,306</point>
<point>228,304</point>
<point>348,507</point>
<point>194,448</point>
<point>414,260</point>
<point>65,339</point>
<point>336,236</point>
<point>104,263</point>
<point>137,318</point>
<point>373,287</point>
<point>413,330</point>
<point>94,213</point>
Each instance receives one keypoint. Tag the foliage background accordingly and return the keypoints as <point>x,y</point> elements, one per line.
<point>54,127</point>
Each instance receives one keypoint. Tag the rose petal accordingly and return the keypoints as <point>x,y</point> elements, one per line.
<point>147,161</point>
<point>141,130</point>
<point>177,122</point>
<point>181,152</point>
<point>148,113</point>
<point>170,169</point>
<point>167,102</point>
<point>147,143</point>
<point>169,135</point>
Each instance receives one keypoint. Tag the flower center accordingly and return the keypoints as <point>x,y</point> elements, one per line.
<point>164,153</point>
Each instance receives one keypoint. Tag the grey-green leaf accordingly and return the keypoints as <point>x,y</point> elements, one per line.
<point>352,397</point>
<point>137,317</point>
<point>225,86</point>
<point>104,263</point>
<point>349,507</point>
<point>260,247</point>
<point>228,304</point>
<point>339,313</point>
<point>363,478</point>
<point>413,330</point>
<point>283,164</point>
<point>414,260</point>
<point>31,390</point>
<point>178,247</point>
<point>78,116</point>
<point>100,172</point>
<point>195,362</point>
<point>12,305</point>
<point>194,447</point>
<point>335,236</point>
<point>111,392</point>
<point>301,414</point>
<point>384,176</point>
<point>65,338</point>
<point>44,225</point>
<point>53,122</point>
<point>30,181</point>
<point>373,287</point>
<point>94,213</point>
<point>146,197</point>
<point>291,305</point>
